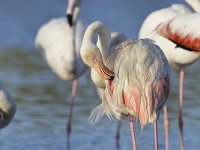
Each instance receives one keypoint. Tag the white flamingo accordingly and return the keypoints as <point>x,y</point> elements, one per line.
<point>72,14</point>
<point>7,107</point>
<point>176,30</point>
<point>136,76</point>
<point>60,45</point>
<point>116,39</point>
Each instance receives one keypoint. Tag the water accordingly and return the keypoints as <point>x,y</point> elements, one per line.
<point>42,98</point>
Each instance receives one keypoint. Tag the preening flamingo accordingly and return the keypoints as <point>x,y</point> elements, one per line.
<point>116,39</point>
<point>7,107</point>
<point>60,45</point>
<point>176,30</point>
<point>136,74</point>
<point>72,14</point>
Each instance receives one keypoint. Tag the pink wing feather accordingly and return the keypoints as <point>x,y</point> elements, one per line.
<point>162,92</point>
<point>183,30</point>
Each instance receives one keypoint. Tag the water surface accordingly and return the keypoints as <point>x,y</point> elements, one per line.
<point>43,99</point>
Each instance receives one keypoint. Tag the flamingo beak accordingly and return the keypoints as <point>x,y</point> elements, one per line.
<point>103,71</point>
<point>70,11</point>
<point>70,19</point>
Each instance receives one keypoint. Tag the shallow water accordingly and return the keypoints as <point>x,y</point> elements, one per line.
<point>42,98</point>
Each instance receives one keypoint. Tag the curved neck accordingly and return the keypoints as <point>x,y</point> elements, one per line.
<point>195,4</point>
<point>98,30</point>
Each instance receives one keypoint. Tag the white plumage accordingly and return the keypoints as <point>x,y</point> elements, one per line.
<point>177,17</point>
<point>116,39</point>
<point>136,74</point>
<point>60,45</point>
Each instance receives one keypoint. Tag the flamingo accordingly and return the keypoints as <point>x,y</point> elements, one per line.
<point>136,75</point>
<point>7,107</point>
<point>176,30</point>
<point>59,43</point>
<point>72,14</point>
<point>116,39</point>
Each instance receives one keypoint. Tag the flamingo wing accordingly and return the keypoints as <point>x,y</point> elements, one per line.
<point>183,30</point>
<point>160,93</point>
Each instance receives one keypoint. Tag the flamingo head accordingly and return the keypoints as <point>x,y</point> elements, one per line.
<point>72,11</point>
<point>92,57</point>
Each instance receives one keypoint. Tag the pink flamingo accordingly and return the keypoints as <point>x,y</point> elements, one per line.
<point>60,45</point>
<point>7,107</point>
<point>72,12</point>
<point>116,39</point>
<point>136,76</point>
<point>176,30</point>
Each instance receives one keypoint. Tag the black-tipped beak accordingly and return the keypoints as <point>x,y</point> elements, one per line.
<point>70,19</point>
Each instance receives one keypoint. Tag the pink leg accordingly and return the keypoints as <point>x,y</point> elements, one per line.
<point>166,125</point>
<point>70,112</point>
<point>155,135</point>
<point>132,132</point>
<point>180,120</point>
<point>118,135</point>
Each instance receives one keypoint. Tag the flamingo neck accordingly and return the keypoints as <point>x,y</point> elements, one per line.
<point>104,38</point>
<point>104,45</point>
<point>72,4</point>
<point>195,4</point>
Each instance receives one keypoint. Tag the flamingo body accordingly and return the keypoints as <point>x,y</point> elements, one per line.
<point>187,36</point>
<point>168,27</point>
<point>134,65</point>
<point>142,84</point>
<point>60,45</point>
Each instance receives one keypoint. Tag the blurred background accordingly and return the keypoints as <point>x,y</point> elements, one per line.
<point>43,99</point>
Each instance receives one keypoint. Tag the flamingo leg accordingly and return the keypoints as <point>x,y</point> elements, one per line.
<point>132,132</point>
<point>166,125</point>
<point>69,122</point>
<point>180,120</point>
<point>118,135</point>
<point>156,135</point>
